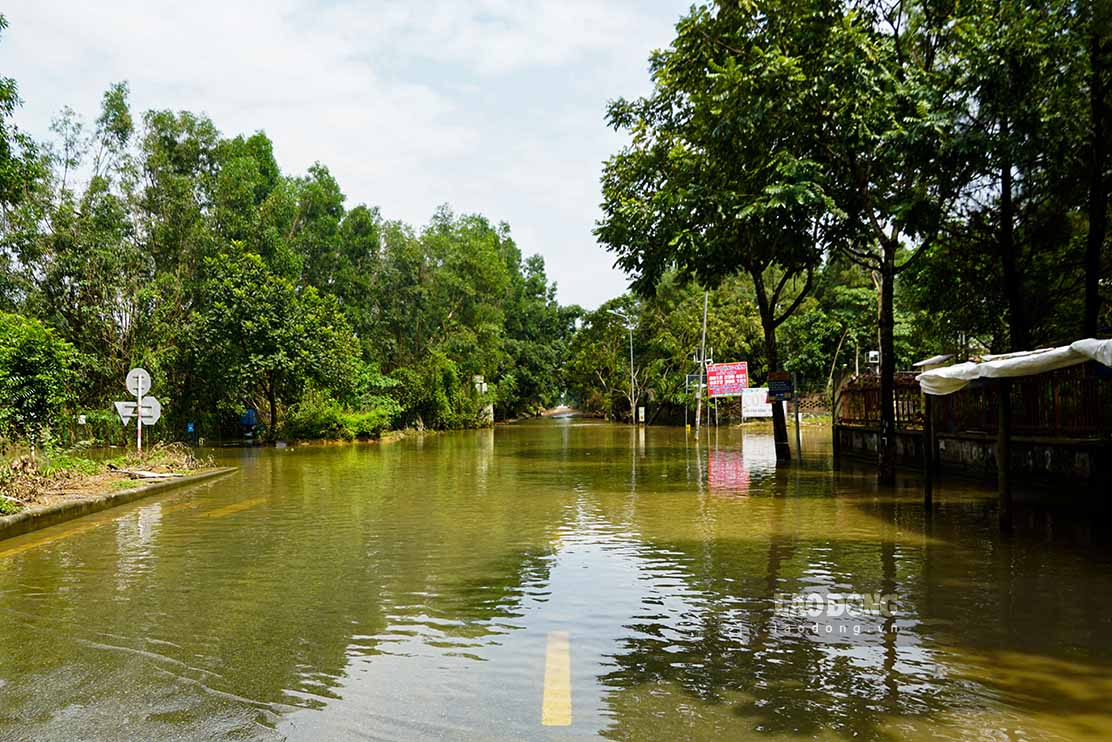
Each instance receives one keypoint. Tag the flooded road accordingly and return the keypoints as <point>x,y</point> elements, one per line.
<point>556,580</point>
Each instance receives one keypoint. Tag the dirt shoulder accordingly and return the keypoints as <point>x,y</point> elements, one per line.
<point>63,477</point>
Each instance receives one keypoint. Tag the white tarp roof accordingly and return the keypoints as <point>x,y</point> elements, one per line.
<point>950,379</point>
<point>933,361</point>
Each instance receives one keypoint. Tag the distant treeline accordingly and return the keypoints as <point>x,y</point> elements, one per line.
<point>156,241</point>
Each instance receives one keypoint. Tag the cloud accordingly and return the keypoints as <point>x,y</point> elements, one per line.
<point>493,105</point>
<point>494,36</point>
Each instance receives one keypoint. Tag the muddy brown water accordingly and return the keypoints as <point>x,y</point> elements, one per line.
<point>557,579</point>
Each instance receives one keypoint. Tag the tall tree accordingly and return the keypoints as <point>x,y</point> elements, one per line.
<point>889,155</point>
<point>1098,18</point>
<point>16,148</point>
<point>260,339</point>
<point>711,184</point>
<point>23,179</point>
<point>1020,67</point>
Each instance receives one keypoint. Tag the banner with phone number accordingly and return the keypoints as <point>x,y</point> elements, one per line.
<point>727,379</point>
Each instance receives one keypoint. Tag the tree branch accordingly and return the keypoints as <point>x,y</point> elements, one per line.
<point>798,299</point>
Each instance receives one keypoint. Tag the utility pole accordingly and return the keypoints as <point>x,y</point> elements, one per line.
<point>702,365</point>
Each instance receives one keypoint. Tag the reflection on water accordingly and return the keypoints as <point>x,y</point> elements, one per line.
<point>409,591</point>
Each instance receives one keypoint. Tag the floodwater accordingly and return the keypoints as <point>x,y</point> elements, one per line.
<point>559,579</point>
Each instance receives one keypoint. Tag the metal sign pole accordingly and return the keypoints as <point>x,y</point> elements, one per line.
<point>702,364</point>
<point>139,424</point>
<point>798,432</point>
<point>138,383</point>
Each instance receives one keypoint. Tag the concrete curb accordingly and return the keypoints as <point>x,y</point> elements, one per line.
<point>42,517</point>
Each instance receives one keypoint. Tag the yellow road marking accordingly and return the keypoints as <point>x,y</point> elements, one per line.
<point>235,507</point>
<point>47,540</point>
<point>179,506</point>
<point>556,710</point>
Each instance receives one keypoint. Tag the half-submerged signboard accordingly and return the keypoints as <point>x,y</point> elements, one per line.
<point>754,403</point>
<point>727,379</point>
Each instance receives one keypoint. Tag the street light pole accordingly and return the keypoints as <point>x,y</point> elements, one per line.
<point>702,364</point>
<point>632,400</point>
<point>632,403</point>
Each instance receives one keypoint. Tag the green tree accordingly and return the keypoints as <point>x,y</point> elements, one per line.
<point>259,338</point>
<point>17,150</point>
<point>892,161</point>
<point>712,183</point>
<point>537,333</point>
<point>1097,31</point>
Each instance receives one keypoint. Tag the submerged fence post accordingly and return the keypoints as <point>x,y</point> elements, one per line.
<point>835,399</point>
<point>795,401</point>
<point>1003,453</point>
<point>928,452</point>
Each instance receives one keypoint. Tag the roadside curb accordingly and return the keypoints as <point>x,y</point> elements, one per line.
<point>42,517</point>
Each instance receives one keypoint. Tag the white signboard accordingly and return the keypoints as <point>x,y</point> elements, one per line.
<point>754,403</point>
<point>126,411</point>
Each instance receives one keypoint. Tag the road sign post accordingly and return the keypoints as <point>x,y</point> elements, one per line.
<point>145,409</point>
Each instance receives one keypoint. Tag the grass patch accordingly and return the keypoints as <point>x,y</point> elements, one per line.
<point>67,463</point>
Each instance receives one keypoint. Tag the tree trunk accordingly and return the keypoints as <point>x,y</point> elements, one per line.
<point>1013,288</point>
<point>768,324</point>
<point>779,424</point>
<point>1098,186</point>
<point>702,366</point>
<point>886,443</point>
<point>273,403</point>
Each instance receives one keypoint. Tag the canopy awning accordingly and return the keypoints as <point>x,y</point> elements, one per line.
<point>950,379</point>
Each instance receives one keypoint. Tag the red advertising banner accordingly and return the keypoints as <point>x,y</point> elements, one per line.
<point>727,379</point>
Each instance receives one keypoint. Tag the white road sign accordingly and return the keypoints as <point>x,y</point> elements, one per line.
<point>146,409</point>
<point>126,411</point>
<point>151,410</point>
<point>754,403</point>
<point>138,382</point>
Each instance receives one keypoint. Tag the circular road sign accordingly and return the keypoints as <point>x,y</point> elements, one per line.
<point>138,382</point>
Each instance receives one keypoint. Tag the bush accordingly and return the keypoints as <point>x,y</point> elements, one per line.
<point>319,417</point>
<point>369,424</point>
<point>315,418</point>
<point>437,395</point>
<point>7,507</point>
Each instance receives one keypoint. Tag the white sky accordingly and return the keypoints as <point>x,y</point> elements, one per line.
<point>492,106</point>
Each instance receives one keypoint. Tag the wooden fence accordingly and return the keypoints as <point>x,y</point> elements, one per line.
<point>859,402</point>
<point>1073,402</point>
